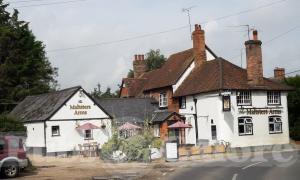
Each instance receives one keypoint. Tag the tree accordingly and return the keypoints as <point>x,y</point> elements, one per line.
<point>294,106</point>
<point>24,67</point>
<point>97,93</point>
<point>11,124</point>
<point>154,60</point>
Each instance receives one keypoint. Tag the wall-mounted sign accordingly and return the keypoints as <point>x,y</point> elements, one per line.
<point>226,103</point>
<point>80,109</point>
<point>260,111</point>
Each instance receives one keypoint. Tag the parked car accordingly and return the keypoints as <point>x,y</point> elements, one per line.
<point>12,156</point>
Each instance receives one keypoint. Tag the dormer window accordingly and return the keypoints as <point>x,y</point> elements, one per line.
<point>244,98</point>
<point>163,102</point>
<point>274,98</point>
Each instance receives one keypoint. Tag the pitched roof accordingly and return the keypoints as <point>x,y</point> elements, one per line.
<point>41,107</point>
<point>129,109</point>
<point>220,74</point>
<point>171,71</point>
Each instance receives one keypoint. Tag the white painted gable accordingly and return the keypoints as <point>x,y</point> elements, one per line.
<point>80,106</point>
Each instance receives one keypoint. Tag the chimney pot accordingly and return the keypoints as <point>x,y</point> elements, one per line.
<point>139,65</point>
<point>143,57</point>
<point>255,35</point>
<point>135,57</point>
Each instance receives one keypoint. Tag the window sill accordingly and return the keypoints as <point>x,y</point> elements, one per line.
<point>275,132</point>
<point>55,135</point>
<point>246,134</point>
<point>88,138</point>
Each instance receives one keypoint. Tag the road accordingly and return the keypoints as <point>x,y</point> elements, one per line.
<point>261,166</point>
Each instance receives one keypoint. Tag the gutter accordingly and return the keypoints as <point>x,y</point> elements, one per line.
<point>196,119</point>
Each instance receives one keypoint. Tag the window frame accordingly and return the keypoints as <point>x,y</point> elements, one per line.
<point>274,123</point>
<point>245,118</point>
<point>91,134</point>
<point>54,135</point>
<point>273,96</point>
<point>243,104</point>
<point>182,102</point>
<point>163,100</point>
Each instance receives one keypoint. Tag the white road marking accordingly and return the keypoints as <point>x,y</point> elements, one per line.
<point>251,165</point>
<point>234,176</point>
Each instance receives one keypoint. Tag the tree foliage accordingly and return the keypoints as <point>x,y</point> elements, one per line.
<point>154,60</point>
<point>11,124</point>
<point>24,67</point>
<point>97,92</point>
<point>294,106</point>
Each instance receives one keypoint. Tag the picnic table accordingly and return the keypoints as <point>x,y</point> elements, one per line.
<point>89,149</point>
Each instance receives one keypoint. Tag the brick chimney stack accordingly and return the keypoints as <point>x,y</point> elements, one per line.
<point>254,61</point>
<point>199,45</point>
<point>139,65</point>
<point>279,74</point>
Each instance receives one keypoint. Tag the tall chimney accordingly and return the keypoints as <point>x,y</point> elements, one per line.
<point>199,45</point>
<point>279,74</point>
<point>139,65</point>
<point>254,61</point>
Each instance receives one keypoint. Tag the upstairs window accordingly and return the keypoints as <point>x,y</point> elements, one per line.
<point>182,102</point>
<point>274,98</point>
<point>244,98</point>
<point>55,131</point>
<point>163,102</point>
<point>245,126</point>
<point>275,125</point>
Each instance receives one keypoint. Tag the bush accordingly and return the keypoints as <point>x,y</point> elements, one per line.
<point>112,145</point>
<point>295,131</point>
<point>157,143</point>
<point>136,148</point>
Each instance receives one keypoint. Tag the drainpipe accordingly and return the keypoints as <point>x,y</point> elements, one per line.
<point>196,119</point>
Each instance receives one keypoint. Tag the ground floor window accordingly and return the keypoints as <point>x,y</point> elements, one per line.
<point>55,131</point>
<point>88,134</point>
<point>275,124</point>
<point>213,132</point>
<point>245,126</point>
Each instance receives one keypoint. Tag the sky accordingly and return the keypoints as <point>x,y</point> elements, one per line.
<point>65,24</point>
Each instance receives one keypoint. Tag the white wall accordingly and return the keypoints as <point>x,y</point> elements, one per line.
<point>35,134</point>
<point>209,106</point>
<point>70,137</point>
<point>261,135</point>
<point>67,113</point>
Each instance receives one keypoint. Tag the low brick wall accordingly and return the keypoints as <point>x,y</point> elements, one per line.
<point>196,150</point>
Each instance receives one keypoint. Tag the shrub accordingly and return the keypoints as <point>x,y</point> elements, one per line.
<point>11,124</point>
<point>157,143</point>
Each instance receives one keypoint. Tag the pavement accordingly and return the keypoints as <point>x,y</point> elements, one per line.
<point>279,165</point>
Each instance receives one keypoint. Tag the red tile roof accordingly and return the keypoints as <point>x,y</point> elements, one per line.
<point>220,74</point>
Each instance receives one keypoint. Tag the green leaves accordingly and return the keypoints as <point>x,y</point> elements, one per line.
<point>154,59</point>
<point>24,67</point>
<point>11,124</point>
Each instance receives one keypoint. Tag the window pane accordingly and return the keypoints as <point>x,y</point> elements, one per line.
<point>249,128</point>
<point>271,127</point>
<point>241,129</point>
<point>241,120</point>
<point>278,127</point>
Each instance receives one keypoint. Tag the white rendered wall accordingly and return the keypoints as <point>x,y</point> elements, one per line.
<point>70,137</point>
<point>261,134</point>
<point>67,113</point>
<point>35,134</point>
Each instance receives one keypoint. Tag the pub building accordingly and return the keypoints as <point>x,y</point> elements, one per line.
<point>219,102</point>
<point>62,122</point>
